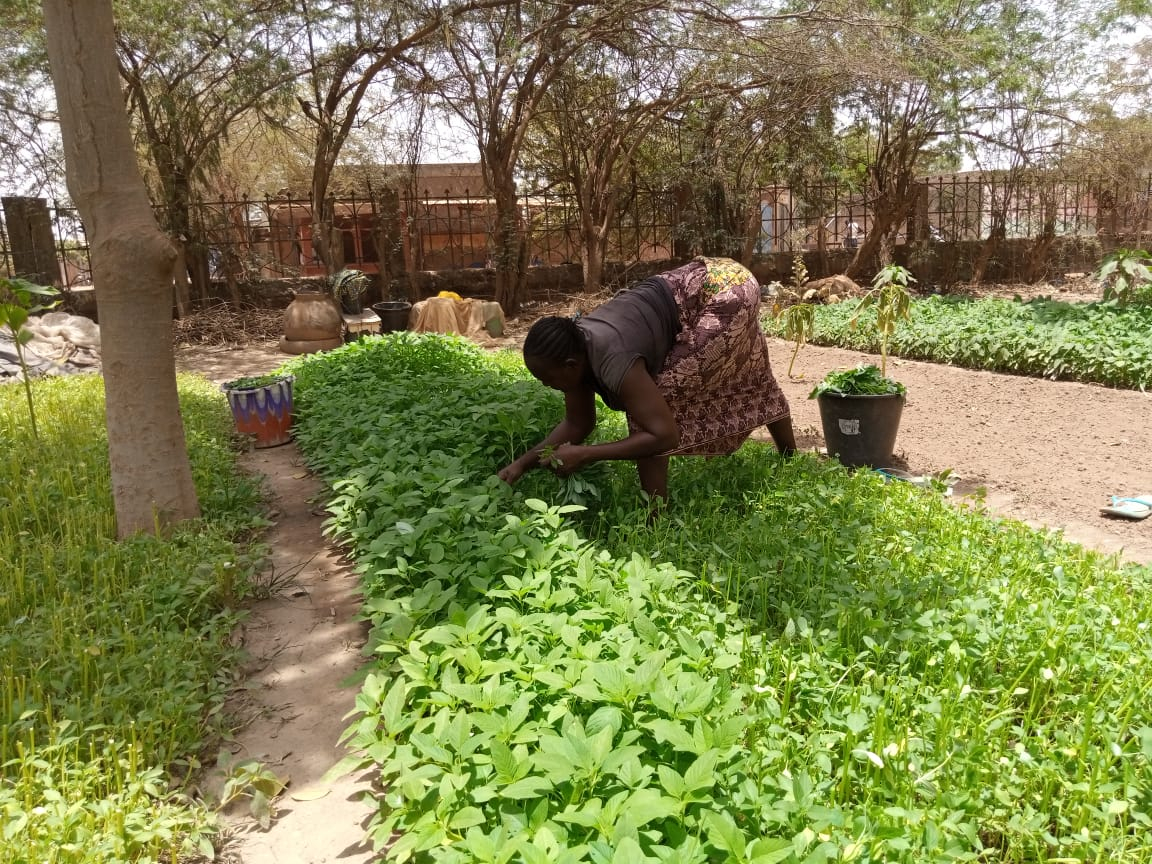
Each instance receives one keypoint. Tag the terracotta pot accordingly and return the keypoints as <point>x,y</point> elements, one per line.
<point>312,317</point>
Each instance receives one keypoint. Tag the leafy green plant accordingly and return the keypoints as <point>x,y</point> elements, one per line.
<point>251,779</point>
<point>864,380</point>
<point>254,382</point>
<point>794,664</point>
<point>1126,275</point>
<point>1105,343</point>
<point>797,323</point>
<point>799,272</point>
<point>798,320</point>
<point>549,458</point>
<point>70,799</point>
<point>114,656</point>
<point>892,303</point>
<point>19,299</point>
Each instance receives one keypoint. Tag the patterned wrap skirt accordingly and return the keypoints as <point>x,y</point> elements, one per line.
<point>717,379</point>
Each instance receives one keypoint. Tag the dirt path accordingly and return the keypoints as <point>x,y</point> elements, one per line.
<point>1048,453</point>
<point>303,642</point>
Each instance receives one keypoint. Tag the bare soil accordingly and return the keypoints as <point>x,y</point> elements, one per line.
<point>303,643</point>
<point>1044,452</point>
<point>1049,453</point>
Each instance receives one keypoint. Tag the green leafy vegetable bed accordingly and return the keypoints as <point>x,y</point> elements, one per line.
<point>796,664</point>
<point>111,653</point>
<point>1103,343</point>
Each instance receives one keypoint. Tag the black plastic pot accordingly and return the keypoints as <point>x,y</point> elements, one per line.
<point>393,315</point>
<point>861,430</point>
<point>352,305</point>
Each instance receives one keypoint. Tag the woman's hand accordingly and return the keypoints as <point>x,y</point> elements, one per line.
<point>512,472</point>
<point>565,459</point>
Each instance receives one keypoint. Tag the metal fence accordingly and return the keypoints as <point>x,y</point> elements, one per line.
<point>959,207</point>
<point>271,237</point>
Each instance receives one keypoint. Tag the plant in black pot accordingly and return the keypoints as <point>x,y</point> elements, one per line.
<point>348,287</point>
<point>860,408</point>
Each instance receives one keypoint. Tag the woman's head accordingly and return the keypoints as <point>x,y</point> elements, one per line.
<point>555,354</point>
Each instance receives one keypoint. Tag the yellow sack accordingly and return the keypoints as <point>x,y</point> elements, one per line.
<point>450,295</point>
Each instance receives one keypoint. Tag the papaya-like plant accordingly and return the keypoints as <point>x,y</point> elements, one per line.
<point>19,300</point>
<point>1126,275</point>
<point>798,321</point>
<point>893,303</point>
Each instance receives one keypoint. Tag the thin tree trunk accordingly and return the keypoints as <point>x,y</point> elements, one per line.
<point>822,247</point>
<point>131,269</point>
<point>987,250</point>
<point>181,287</point>
<point>752,228</point>
<point>199,272</point>
<point>1042,246</point>
<point>593,256</point>
<point>511,250</point>
<point>326,240</point>
<point>682,197</point>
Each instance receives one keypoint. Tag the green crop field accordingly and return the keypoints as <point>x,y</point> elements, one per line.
<point>1104,343</point>
<point>796,664</point>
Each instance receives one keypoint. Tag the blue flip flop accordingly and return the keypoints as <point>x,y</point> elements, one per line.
<point>1139,507</point>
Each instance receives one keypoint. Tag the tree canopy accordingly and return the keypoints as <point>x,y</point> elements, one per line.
<point>701,100</point>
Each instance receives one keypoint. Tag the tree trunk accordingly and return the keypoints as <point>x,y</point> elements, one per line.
<point>1042,246</point>
<point>511,250</point>
<point>326,240</point>
<point>199,271</point>
<point>181,287</point>
<point>186,278</point>
<point>682,198</point>
<point>1000,198</point>
<point>593,256</point>
<point>131,269</point>
<point>988,249</point>
<point>752,228</point>
<point>888,214</point>
<point>822,268</point>
<point>327,244</point>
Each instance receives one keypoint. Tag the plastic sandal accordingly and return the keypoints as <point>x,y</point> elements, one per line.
<point>1139,507</point>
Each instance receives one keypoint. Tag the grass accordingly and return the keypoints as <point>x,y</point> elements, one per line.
<point>1103,343</point>
<point>798,663</point>
<point>113,654</point>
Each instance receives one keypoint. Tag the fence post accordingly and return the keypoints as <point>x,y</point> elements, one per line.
<point>920,224</point>
<point>30,240</point>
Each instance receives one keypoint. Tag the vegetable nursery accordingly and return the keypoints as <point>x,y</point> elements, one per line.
<point>797,663</point>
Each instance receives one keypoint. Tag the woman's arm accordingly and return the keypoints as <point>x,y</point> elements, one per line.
<point>578,423</point>
<point>646,406</point>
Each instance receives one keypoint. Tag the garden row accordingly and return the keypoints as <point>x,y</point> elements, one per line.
<point>113,655</point>
<point>1104,343</point>
<point>796,664</point>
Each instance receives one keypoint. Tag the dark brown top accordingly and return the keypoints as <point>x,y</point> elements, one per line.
<point>641,322</point>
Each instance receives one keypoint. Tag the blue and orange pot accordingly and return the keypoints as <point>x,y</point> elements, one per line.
<point>262,411</point>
